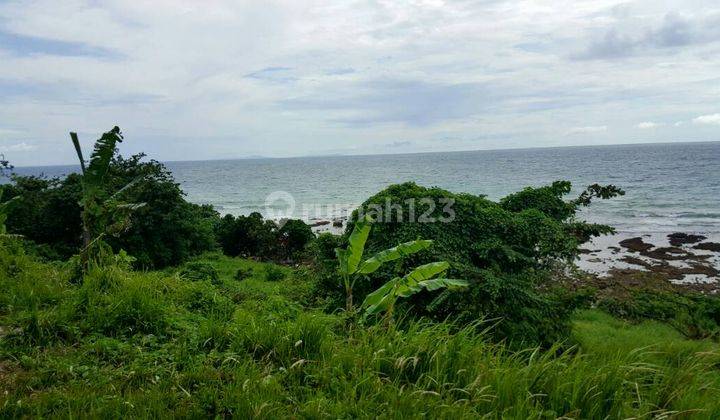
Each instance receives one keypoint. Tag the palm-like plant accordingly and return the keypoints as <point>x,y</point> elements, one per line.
<point>422,277</point>
<point>352,267</point>
<point>101,214</point>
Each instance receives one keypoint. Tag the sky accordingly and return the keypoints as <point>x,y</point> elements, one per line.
<point>212,79</point>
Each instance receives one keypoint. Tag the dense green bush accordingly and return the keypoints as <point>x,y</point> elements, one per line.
<point>506,250</point>
<point>166,231</point>
<point>694,315</point>
<point>253,236</point>
<point>294,236</point>
<point>274,273</point>
<point>199,271</point>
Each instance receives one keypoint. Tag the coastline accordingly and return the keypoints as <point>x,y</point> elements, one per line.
<point>685,259</point>
<point>682,258</point>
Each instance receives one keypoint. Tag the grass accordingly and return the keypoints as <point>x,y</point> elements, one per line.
<point>157,344</point>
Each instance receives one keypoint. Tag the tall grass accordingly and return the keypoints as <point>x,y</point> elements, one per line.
<point>155,344</point>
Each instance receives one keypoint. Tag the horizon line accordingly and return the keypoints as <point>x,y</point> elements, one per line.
<point>331,155</point>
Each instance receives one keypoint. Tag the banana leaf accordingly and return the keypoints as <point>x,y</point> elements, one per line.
<point>373,263</point>
<point>357,240</point>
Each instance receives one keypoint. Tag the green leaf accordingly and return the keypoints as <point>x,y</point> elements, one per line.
<point>425,272</point>
<point>373,263</point>
<point>435,284</point>
<point>101,156</point>
<point>383,305</point>
<point>357,240</point>
<point>342,260</point>
<point>377,296</point>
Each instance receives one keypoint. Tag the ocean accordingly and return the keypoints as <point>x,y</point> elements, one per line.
<point>669,187</point>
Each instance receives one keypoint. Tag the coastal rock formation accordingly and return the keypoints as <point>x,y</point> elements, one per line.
<point>679,238</point>
<point>636,245</point>
<point>708,246</point>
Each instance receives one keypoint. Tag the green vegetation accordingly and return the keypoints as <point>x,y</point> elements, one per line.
<point>484,321</point>
<point>157,344</point>
<point>253,236</point>
<point>166,231</point>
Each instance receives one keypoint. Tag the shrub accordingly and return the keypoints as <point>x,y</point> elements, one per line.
<point>166,231</point>
<point>200,271</point>
<point>274,273</point>
<point>692,314</point>
<point>247,236</point>
<point>252,236</point>
<point>293,237</point>
<point>505,249</point>
<point>243,273</point>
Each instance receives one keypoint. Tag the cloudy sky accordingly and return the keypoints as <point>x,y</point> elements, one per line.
<point>223,79</point>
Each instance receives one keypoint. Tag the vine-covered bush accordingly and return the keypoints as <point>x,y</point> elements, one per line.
<point>505,249</point>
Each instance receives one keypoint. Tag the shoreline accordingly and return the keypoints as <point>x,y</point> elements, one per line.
<point>686,259</point>
<point>679,258</point>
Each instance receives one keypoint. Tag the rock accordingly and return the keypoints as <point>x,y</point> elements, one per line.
<point>708,246</point>
<point>338,223</point>
<point>320,223</point>
<point>636,245</point>
<point>679,238</point>
<point>670,253</point>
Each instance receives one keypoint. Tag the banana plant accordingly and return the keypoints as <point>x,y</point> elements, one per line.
<point>423,277</point>
<point>100,214</point>
<point>350,260</point>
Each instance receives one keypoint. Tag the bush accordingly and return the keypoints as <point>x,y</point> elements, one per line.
<point>200,271</point>
<point>692,314</point>
<point>252,236</point>
<point>166,231</point>
<point>506,250</point>
<point>243,273</point>
<point>293,237</point>
<point>274,273</point>
<point>247,236</point>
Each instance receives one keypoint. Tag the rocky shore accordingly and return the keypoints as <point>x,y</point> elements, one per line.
<point>685,259</point>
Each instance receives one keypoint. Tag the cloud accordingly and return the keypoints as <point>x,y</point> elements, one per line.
<point>679,123</point>
<point>647,125</point>
<point>409,102</point>
<point>673,31</point>
<point>199,80</point>
<point>19,147</point>
<point>586,130</point>
<point>712,119</point>
<point>273,74</point>
<point>22,45</point>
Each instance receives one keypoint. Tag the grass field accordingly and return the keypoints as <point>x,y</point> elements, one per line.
<point>156,344</point>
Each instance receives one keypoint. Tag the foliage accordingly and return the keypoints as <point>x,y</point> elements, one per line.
<point>273,273</point>
<point>293,237</point>
<point>351,266</point>
<point>253,236</point>
<point>506,250</point>
<point>243,273</point>
<point>166,231</point>
<point>692,314</point>
<point>423,277</point>
<point>4,210</point>
<point>199,271</point>
<point>149,344</point>
<point>103,213</point>
<point>247,235</point>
